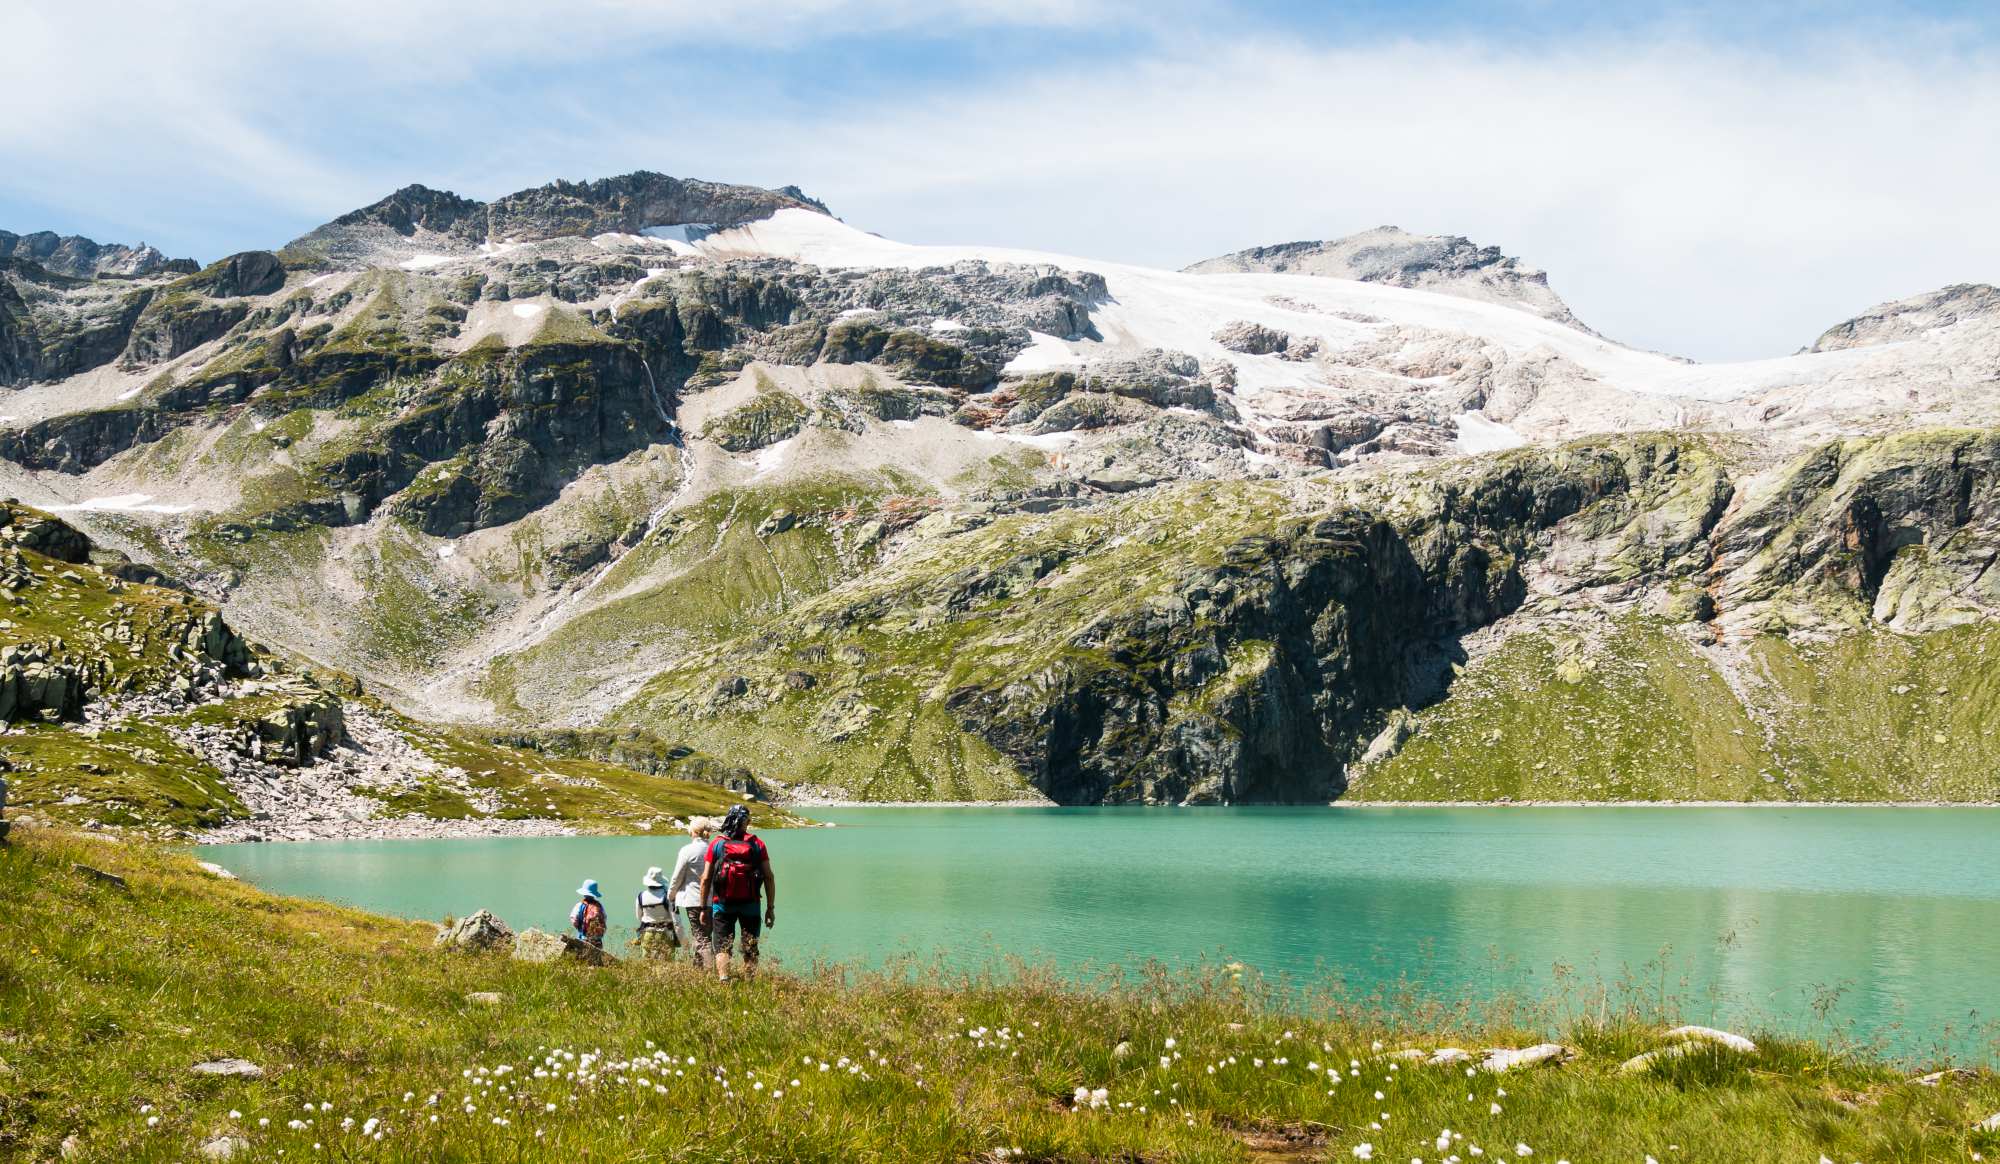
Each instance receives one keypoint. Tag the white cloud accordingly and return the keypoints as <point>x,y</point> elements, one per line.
<point>1723,203</point>
<point>1703,199</point>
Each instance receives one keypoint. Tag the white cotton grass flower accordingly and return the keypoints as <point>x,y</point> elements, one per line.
<point>1523,1150</point>
<point>1364,1151</point>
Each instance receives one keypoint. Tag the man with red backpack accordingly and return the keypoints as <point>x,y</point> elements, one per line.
<point>737,870</point>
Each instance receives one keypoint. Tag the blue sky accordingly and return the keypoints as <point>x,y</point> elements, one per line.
<point>1718,180</point>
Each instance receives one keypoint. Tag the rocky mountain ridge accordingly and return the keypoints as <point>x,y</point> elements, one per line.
<point>440,222</point>
<point>897,522</point>
<point>1450,264</point>
<point>80,258</point>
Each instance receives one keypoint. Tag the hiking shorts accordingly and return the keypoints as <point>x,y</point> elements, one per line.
<point>726,917</point>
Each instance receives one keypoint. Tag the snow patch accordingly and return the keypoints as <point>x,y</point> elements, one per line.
<point>489,247</point>
<point>125,503</point>
<point>1047,440</point>
<point>316,280</point>
<point>943,324</point>
<point>680,237</point>
<point>528,310</point>
<point>129,393</point>
<point>447,551</point>
<point>1476,434</point>
<point>1044,353</point>
<point>424,262</point>
<point>771,457</point>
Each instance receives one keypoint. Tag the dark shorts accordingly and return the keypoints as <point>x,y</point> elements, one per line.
<point>724,919</point>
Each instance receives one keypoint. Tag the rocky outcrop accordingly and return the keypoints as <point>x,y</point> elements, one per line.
<point>1449,264</point>
<point>80,258</point>
<point>1252,339</point>
<point>480,933</point>
<point>1904,319</point>
<point>417,218</point>
<point>247,273</point>
<point>38,680</point>
<point>289,725</point>
<point>53,326</point>
<point>1901,530</point>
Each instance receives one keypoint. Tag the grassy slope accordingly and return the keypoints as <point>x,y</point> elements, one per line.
<point>718,577</point>
<point>107,997</point>
<point>885,648</point>
<point>1638,714</point>
<point>588,793</point>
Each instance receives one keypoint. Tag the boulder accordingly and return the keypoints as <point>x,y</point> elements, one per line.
<point>1711,1035</point>
<point>1509,1059</point>
<point>533,945</point>
<point>1687,1040</point>
<point>111,879</point>
<point>479,932</point>
<point>1252,339</point>
<point>51,537</point>
<point>229,1068</point>
<point>224,1147</point>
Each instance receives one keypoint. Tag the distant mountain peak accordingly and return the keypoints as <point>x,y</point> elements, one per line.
<point>1901,319</point>
<point>81,258</point>
<point>1448,264</point>
<point>627,204</point>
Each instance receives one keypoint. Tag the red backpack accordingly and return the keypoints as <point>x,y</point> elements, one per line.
<point>739,869</point>
<point>593,918</point>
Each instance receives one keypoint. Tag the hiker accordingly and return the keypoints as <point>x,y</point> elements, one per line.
<point>738,866</point>
<point>686,887</point>
<point>658,936</point>
<point>588,919</point>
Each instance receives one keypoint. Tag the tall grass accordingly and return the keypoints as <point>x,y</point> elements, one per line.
<point>108,996</point>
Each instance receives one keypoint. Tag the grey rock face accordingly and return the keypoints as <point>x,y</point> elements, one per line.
<point>1906,318</point>
<point>480,932</point>
<point>54,325</point>
<point>419,218</point>
<point>1252,339</point>
<point>79,257</point>
<point>1450,264</point>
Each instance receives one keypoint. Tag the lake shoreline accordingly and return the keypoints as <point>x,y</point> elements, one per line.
<point>804,805</point>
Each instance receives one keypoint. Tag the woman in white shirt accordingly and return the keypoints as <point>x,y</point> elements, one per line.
<point>685,887</point>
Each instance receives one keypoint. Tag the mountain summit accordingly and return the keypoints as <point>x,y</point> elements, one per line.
<point>79,257</point>
<point>1446,263</point>
<point>443,222</point>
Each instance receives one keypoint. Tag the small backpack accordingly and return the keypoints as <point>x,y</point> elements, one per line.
<point>739,869</point>
<point>593,918</point>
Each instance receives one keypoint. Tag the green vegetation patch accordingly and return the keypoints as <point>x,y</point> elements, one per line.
<point>770,416</point>
<point>1635,713</point>
<point>130,773</point>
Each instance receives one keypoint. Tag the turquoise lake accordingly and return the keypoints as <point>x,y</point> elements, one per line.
<point>1756,914</point>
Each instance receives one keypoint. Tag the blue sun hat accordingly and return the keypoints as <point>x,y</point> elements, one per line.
<point>588,889</point>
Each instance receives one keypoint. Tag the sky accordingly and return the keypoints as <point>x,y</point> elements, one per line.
<point>1722,181</point>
